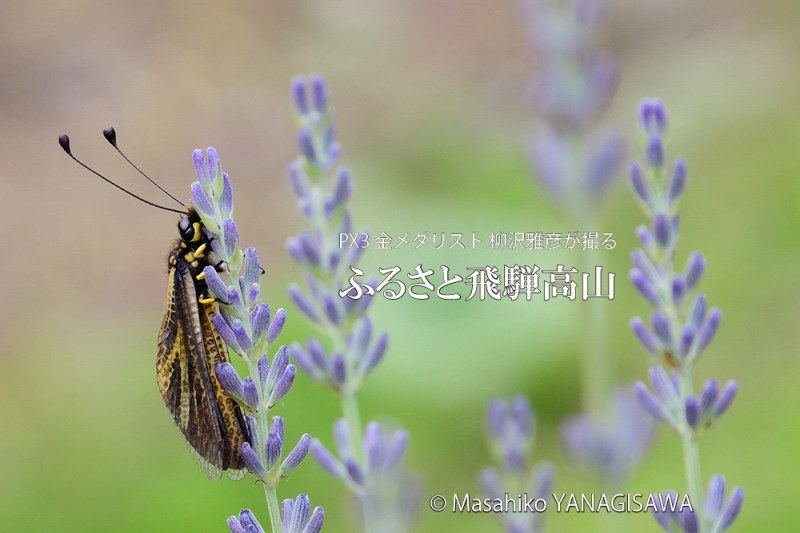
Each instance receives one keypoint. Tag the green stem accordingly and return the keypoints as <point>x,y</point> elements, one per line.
<point>352,414</point>
<point>691,452</point>
<point>274,510</point>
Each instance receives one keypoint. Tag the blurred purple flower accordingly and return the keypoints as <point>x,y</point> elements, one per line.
<point>612,446</point>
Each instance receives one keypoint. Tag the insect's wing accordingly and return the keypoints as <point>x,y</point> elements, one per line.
<point>189,347</point>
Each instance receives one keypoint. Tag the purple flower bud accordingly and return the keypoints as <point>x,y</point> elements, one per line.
<point>295,250</point>
<point>276,427</point>
<point>318,355</point>
<point>709,329</point>
<point>314,524</point>
<point>226,198</point>
<point>283,386</point>
<point>606,154</point>
<point>715,496</point>
<point>339,369</point>
<point>297,454</point>
<point>341,192</point>
<point>327,461</point>
<point>653,117</point>
<point>272,450</point>
<point>697,314</point>
<point>259,321</point>
<point>263,370</point>
<point>320,93</point>
<point>305,362</point>
<point>252,429</point>
<point>277,325</point>
<point>661,229</point>
<point>354,471</point>
<point>298,515</point>
<point>396,448</point>
<point>299,94</point>
<point>678,181</point>
<point>310,248</point>
<point>241,335</point>
<point>644,287</point>
<point>662,328</point>
<point>495,418</point>
<point>687,340</point>
<point>639,184</point>
<point>279,365</point>
<point>331,310</point>
<point>376,353</point>
<point>726,398</point>
<point>650,404</point>
<point>235,526</point>
<point>373,446</point>
<point>341,436</point>
<point>250,393</point>
<point>305,142</point>
<point>678,289</point>
<point>692,411</point>
<point>645,337</point>
<point>215,284</point>
<point>663,386</point>
<point>200,200</point>
<point>251,267</point>
<point>229,379</point>
<point>201,168</point>
<point>251,460</point>
<point>230,237</point>
<point>645,237</point>
<point>694,269</point>
<point>709,395</point>
<point>655,153</point>
<point>731,510</point>
<point>252,293</point>
<point>226,333</point>
<point>644,265</point>
<point>522,414</point>
<point>300,183</point>
<point>303,303</point>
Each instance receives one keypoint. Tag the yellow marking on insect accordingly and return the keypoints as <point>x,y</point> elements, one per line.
<point>183,245</point>
<point>200,252</point>
<point>195,263</point>
<point>197,232</point>
<point>189,257</point>
<point>201,276</point>
<point>206,300</point>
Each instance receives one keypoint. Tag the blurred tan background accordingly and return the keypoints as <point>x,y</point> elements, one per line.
<point>432,108</point>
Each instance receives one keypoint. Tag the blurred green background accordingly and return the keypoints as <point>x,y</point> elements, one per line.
<point>432,109</point>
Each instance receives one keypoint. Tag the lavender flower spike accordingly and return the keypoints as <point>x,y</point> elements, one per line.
<point>243,322</point>
<point>324,189</point>
<point>681,333</point>
<point>510,427</point>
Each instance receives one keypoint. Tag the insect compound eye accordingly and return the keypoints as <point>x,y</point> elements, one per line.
<point>186,229</point>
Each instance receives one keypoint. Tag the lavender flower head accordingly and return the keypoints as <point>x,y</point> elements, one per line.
<point>575,83</point>
<point>681,327</point>
<point>374,473</point>
<point>350,349</point>
<point>245,323</point>
<point>610,447</point>
<point>511,428</point>
<point>323,189</point>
